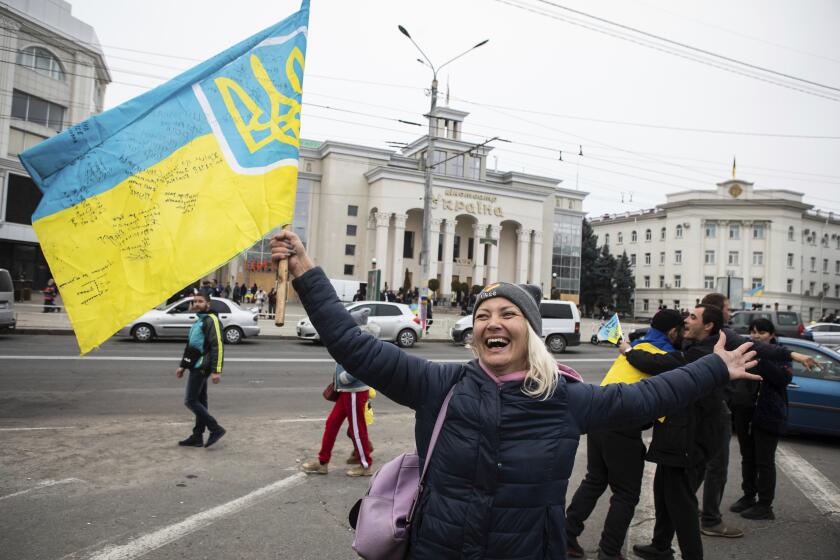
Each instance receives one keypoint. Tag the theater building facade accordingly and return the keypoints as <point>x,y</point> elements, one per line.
<point>357,205</point>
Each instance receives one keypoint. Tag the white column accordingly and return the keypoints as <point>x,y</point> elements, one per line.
<point>448,251</point>
<point>523,238</point>
<point>397,265</point>
<point>433,247</point>
<point>536,258</point>
<point>722,253</point>
<point>493,271</point>
<point>381,249</point>
<point>746,263</point>
<point>479,231</point>
<point>370,243</point>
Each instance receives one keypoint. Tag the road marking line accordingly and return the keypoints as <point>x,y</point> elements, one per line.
<point>31,429</point>
<point>144,544</point>
<point>40,485</point>
<point>819,490</point>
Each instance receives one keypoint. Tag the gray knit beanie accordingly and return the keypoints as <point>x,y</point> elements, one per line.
<point>524,296</point>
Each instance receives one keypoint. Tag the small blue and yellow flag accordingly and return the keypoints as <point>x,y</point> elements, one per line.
<point>757,291</point>
<point>150,196</point>
<point>611,331</point>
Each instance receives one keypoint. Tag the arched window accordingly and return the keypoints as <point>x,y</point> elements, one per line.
<point>42,61</point>
<point>648,235</point>
<point>633,236</point>
<point>606,239</point>
<point>620,237</point>
<point>662,234</point>
<point>790,233</point>
<point>679,231</point>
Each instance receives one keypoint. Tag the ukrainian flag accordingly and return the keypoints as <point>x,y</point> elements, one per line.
<point>611,331</point>
<point>150,196</point>
<point>757,291</point>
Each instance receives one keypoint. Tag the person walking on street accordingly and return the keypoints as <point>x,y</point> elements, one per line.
<point>616,458</point>
<point>496,484</point>
<point>351,404</point>
<point>50,293</point>
<point>760,411</point>
<point>259,298</point>
<point>272,302</point>
<point>203,358</point>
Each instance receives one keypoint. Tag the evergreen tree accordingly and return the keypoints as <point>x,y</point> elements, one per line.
<point>588,256</point>
<point>602,278</point>
<point>625,284</point>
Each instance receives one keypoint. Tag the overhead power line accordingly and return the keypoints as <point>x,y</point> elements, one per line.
<point>695,54</point>
<point>687,46</point>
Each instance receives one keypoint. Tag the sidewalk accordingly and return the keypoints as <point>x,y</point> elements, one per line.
<point>32,320</point>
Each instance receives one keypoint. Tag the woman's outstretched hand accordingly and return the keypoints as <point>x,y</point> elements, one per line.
<point>737,361</point>
<point>287,245</point>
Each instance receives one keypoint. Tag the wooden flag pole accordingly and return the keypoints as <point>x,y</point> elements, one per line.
<point>281,284</point>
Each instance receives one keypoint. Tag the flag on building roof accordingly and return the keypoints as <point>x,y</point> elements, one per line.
<point>150,196</point>
<point>733,167</point>
<point>611,330</point>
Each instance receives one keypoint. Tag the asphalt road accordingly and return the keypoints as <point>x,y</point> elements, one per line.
<point>90,468</point>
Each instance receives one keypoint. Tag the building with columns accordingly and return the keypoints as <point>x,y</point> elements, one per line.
<point>777,250</point>
<point>357,203</point>
<point>52,76</point>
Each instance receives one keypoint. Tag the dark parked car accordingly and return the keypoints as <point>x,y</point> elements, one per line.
<point>787,323</point>
<point>814,396</point>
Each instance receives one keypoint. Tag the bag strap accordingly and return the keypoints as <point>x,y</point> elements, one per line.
<point>438,425</point>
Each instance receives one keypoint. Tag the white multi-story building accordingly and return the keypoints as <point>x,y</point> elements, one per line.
<point>777,250</point>
<point>357,203</point>
<point>52,76</point>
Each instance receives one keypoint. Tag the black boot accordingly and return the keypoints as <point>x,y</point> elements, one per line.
<point>744,503</point>
<point>215,436</point>
<point>650,552</point>
<point>194,440</point>
<point>759,511</point>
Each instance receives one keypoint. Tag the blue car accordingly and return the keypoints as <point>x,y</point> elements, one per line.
<point>814,396</point>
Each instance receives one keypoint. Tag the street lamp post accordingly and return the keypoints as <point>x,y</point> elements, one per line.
<point>425,238</point>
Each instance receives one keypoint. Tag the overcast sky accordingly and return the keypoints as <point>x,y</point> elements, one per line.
<point>542,82</point>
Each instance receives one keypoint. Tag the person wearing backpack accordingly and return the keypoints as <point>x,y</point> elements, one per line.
<point>351,404</point>
<point>495,486</point>
<point>203,358</point>
<point>759,411</point>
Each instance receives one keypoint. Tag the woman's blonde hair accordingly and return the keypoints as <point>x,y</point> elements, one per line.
<point>541,377</point>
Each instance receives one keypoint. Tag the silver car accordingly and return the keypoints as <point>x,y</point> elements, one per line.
<point>174,320</point>
<point>395,320</point>
<point>827,334</point>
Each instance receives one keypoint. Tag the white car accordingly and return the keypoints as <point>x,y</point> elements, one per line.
<point>395,320</point>
<point>560,326</point>
<point>175,320</point>
<point>827,334</point>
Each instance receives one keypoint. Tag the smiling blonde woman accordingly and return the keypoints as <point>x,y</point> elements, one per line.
<point>496,484</point>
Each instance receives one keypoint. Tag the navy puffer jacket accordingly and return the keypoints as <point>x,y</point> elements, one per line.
<point>496,486</point>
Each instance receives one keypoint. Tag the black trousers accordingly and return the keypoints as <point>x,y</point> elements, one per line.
<point>675,499</point>
<point>615,459</point>
<point>758,457</point>
<point>717,468</point>
<point>196,401</point>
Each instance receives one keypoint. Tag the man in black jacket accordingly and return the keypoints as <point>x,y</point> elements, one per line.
<point>682,443</point>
